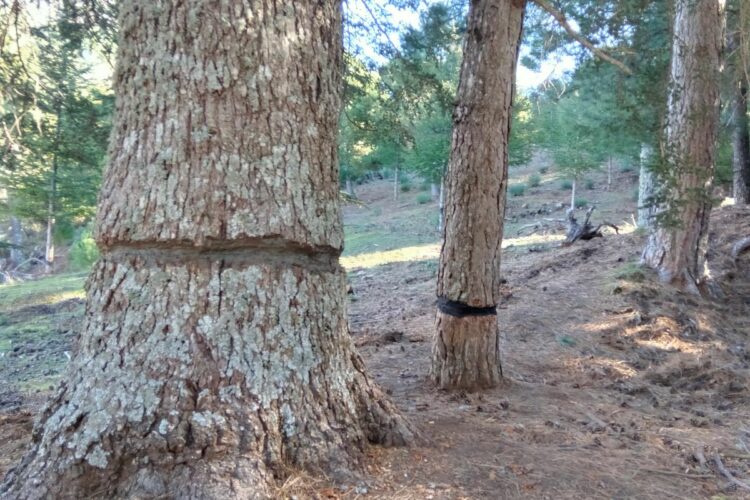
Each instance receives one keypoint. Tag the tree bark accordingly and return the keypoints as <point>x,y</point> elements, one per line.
<point>740,141</point>
<point>16,239</point>
<point>465,351</point>
<point>215,351</point>
<point>441,206</point>
<point>573,194</point>
<point>678,250</point>
<point>395,183</point>
<point>646,188</point>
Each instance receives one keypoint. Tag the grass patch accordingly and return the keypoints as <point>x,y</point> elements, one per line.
<point>45,291</point>
<point>581,202</point>
<point>424,198</point>
<point>517,190</point>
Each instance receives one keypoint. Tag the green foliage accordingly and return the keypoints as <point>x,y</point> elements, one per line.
<point>83,252</point>
<point>424,198</point>
<point>543,170</point>
<point>516,190</point>
<point>405,186</point>
<point>589,184</point>
<point>535,180</point>
<point>581,202</point>
<point>566,185</point>
<point>56,119</point>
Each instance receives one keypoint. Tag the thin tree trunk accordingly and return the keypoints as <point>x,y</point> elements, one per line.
<point>16,239</point>
<point>395,183</point>
<point>466,351</point>
<point>678,251</point>
<point>740,142</point>
<point>573,195</point>
<point>49,248</point>
<point>215,352</point>
<point>646,188</point>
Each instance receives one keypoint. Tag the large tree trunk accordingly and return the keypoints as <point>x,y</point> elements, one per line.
<point>215,352</point>
<point>646,188</point>
<point>465,352</point>
<point>678,250</point>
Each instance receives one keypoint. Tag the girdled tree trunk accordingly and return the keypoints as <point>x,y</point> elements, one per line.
<point>678,250</point>
<point>215,350</point>
<point>646,188</point>
<point>465,352</point>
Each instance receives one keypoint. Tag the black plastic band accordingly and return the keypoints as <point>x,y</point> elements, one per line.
<point>461,310</point>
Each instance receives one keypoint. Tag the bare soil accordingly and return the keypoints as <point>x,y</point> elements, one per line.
<point>612,381</point>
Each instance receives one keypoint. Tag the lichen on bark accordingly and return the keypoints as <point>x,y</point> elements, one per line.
<point>215,354</point>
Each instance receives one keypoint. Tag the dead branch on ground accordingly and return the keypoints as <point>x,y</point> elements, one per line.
<point>585,231</point>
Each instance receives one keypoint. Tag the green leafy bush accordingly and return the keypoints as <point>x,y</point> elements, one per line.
<point>543,170</point>
<point>423,198</point>
<point>517,189</point>
<point>535,180</point>
<point>581,202</point>
<point>566,184</point>
<point>589,184</point>
<point>83,252</point>
<point>405,186</point>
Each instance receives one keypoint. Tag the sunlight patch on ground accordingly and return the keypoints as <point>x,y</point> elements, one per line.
<point>429,251</point>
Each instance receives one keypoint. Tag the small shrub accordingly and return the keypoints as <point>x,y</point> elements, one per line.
<point>517,189</point>
<point>423,198</point>
<point>581,202</point>
<point>565,185</point>
<point>83,252</point>
<point>405,187</point>
<point>543,170</point>
<point>424,186</point>
<point>626,168</point>
<point>589,184</point>
<point>535,181</point>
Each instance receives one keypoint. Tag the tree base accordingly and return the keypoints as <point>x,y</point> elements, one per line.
<point>205,378</point>
<point>465,353</point>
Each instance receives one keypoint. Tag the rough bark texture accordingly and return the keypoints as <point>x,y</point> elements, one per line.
<point>215,350</point>
<point>465,350</point>
<point>646,189</point>
<point>678,252</point>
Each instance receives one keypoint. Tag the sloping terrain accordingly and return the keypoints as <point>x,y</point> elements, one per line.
<point>614,384</point>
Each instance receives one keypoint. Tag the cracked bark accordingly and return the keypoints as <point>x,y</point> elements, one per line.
<point>214,353</point>
<point>465,353</point>
<point>679,253</point>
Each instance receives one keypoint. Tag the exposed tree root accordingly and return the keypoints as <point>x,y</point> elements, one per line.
<point>585,231</point>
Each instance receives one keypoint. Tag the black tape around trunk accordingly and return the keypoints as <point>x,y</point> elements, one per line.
<point>461,310</point>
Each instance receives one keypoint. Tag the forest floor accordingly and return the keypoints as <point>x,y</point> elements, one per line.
<point>613,382</point>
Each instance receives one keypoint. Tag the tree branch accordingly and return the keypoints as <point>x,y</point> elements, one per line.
<point>560,18</point>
